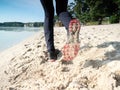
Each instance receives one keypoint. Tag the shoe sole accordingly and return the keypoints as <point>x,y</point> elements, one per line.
<point>72,47</point>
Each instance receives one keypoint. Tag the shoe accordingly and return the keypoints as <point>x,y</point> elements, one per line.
<point>74,29</point>
<point>53,56</point>
<point>71,48</point>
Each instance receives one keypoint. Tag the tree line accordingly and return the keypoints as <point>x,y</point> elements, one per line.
<point>20,24</point>
<point>95,10</point>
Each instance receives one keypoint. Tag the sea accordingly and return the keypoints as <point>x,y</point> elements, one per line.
<point>9,36</point>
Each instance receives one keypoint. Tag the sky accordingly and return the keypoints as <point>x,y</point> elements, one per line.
<point>21,11</point>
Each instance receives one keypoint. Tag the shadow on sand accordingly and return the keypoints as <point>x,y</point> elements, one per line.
<point>113,55</point>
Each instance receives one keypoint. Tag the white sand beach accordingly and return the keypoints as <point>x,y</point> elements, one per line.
<point>96,67</point>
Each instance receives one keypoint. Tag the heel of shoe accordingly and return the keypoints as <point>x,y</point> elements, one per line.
<point>74,29</point>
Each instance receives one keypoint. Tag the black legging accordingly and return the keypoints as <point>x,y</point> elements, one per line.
<point>64,16</point>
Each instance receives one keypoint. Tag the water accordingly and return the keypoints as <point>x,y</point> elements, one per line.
<point>9,36</point>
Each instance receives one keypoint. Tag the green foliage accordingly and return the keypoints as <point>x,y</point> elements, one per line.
<point>96,10</point>
<point>114,19</point>
<point>56,18</point>
<point>70,9</point>
<point>80,10</point>
<point>38,24</point>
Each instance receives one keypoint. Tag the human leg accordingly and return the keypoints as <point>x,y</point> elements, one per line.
<point>48,27</point>
<point>61,9</point>
<point>71,48</point>
<point>48,23</point>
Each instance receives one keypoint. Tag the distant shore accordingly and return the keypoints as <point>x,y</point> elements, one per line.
<point>21,24</point>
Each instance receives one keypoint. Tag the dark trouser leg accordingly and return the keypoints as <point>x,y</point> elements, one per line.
<point>61,9</point>
<point>48,23</point>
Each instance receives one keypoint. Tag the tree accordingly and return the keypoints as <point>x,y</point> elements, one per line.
<point>80,10</point>
<point>100,9</point>
<point>96,10</point>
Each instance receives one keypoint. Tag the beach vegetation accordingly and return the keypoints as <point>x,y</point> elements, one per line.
<point>88,11</point>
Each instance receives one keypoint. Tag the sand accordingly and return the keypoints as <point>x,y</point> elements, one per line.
<point>96,67</point>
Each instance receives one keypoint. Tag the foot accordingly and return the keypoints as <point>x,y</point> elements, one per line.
<point>70,50</point>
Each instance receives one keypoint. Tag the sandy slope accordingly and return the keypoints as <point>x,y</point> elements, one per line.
<point>96,67</point>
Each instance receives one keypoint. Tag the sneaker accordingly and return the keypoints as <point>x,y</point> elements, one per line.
<point>53,56</point>
<point>71,48</point>
<point>74,29</point>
